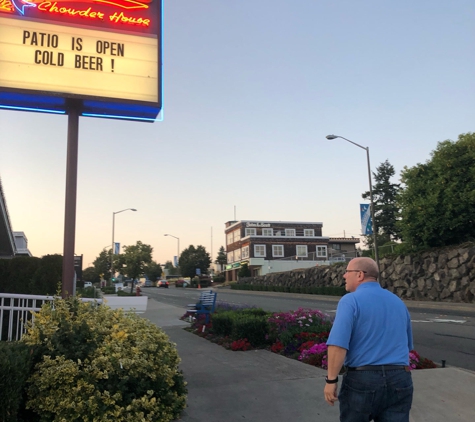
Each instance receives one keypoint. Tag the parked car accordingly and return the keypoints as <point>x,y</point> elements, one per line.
<point>87,284</point>
<point>148,283</point>
<point>162,283</point>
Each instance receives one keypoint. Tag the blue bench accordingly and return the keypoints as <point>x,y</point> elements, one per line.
<point>205,305</point>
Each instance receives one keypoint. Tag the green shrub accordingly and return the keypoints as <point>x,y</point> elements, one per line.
<point>223,323</point>
<point>94,363</point>
<point>108,290</point>
<point>253,328</point>
<point>89,292</point>
<point>125,293</point>
<point>254,311</point>
<point>15,367</point>
<point>218,279</point>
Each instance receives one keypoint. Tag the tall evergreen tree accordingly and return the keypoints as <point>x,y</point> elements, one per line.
<point>221,259</point>
<point>386,208</point>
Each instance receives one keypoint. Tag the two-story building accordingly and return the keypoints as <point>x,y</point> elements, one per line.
<point>274,246</point>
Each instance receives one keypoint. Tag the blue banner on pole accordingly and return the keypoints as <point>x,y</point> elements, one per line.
<point>116,248</point>
<point>366,220</point>
<point>175,260</point>
<point>198,271</point>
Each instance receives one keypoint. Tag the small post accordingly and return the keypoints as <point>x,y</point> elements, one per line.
<point>443,363</point>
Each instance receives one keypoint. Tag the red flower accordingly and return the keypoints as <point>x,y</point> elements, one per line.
<point>277,347</point>
<point>306,345</point>
<point>241,344</point>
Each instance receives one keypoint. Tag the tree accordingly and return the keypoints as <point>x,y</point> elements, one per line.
<point>386,208</point>
<point>438,201</point>
<point>244,271</point>
<point>102,264</point>
<point>47,278</point>
<point>90,274</point>
<point>221,259</point>
<point>16,274</point>
<point>193,258</point>
<point>171,269</point>
<point>153,271</point>
<point>134,260</point>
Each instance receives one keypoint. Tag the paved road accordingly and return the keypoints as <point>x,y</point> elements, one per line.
<point>441,331</point>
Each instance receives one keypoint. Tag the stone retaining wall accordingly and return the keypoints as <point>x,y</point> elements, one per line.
<point>446,275</point>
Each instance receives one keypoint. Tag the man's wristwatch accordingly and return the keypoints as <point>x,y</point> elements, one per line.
<point>331,381</point>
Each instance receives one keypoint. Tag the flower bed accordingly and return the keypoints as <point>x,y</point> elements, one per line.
<point>300,334</point>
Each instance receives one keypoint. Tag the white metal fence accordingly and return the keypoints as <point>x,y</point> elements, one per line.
<point>16,310</point>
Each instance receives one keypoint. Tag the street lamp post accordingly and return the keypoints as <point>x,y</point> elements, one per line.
<point>178,247</point>
<point>113,245</point>
<point>375,241</point>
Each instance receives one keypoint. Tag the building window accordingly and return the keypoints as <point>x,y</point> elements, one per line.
<point>230,257</point>
<point>309,232</point>
<point>336,246</point>
<point>245,252</point>
<point>267,232</point>
<point>237,255</point>
<point>278,250</point>
<point>229,238</point>
<point>237,235</point>
<point>321,251</point>
<point>302,251</point>
<point>290,232</point>
<point>260,251</point>
<point>250,232</point>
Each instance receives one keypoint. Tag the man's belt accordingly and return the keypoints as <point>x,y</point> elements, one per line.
<point>378,368</point>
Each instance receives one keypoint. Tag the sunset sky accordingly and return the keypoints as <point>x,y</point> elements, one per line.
<point>251,89</point>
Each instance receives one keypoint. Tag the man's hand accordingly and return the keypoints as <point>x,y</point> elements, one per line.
<point>330,393</point>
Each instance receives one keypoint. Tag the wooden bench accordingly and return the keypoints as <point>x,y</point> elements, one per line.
<point>205,305</point>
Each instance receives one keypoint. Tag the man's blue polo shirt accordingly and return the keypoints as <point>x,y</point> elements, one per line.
<point>374,326</point>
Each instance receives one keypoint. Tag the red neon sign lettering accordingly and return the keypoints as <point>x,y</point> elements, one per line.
<point>120,17</point>
<point>51,7</point>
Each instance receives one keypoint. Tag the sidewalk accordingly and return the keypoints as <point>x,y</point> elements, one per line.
<point>261,386</point>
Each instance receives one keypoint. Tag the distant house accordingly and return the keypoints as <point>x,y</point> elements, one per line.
<point>274,246</point>
<point>21,244</point>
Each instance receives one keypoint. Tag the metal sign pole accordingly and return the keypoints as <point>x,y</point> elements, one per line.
<point>70,207</point>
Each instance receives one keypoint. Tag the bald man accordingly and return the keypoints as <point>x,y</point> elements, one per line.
<point>372,337</point>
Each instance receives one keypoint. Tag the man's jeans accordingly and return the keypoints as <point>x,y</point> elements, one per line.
<point>382,396</point>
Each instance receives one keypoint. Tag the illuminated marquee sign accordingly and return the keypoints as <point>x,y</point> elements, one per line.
<point>104,52</point>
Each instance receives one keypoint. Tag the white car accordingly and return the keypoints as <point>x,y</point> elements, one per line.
<point>87,284</point>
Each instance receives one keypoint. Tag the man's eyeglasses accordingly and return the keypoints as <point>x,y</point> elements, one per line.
<point>355,271</point>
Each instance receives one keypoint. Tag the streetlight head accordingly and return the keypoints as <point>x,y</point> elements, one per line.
<point>165,234</point>
<point>331,137</point>
<point>133,209</point>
